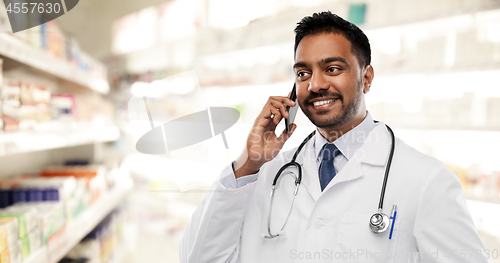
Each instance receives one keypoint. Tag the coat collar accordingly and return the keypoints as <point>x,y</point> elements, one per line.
<point>349,142</point>
<point>374,151</point>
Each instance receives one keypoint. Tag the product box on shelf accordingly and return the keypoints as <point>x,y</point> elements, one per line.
<point>1,84</point>
<point>9,232</point>
<point>72,194</point>
<point>51,218</point>
<point>34,107</point>
<point>26,107</point>
<point>32,242</point>
<point>11,103</point>
<point>51,189</point>
<point>6,195</point>
<point>34,189</point>
<point>13,253</point>
<point>93,177</point>
<point>12,247</point>
<point>33,37</point>
<point>79,201</point>
<point>33,94</point>
<point>53,40</point>
<point>26,216</point>
<point>102,242</point>
<point>62,107</point>
<point>25,247</point>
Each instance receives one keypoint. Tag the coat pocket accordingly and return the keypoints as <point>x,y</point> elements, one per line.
<point>356,242</point>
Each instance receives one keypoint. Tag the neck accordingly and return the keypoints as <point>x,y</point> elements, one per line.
<point>332,134</point>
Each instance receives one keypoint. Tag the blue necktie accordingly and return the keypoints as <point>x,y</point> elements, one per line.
<point>326,168</point>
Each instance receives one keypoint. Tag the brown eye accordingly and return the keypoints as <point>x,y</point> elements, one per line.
<point>302,75</point>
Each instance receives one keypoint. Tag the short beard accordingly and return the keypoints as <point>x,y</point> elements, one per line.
<point>346,114</point>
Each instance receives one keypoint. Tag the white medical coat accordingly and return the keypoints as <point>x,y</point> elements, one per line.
<point>433,223</point>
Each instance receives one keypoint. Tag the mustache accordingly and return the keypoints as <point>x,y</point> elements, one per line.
<point>323,94</point>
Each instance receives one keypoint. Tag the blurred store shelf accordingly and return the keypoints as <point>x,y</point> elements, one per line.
<point>24,142</point>
<point>39,256</point>
<point>59,246</point>
<point>120,254</point>
<point>20,52</point>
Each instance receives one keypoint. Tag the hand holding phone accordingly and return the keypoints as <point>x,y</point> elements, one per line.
<point>262,144</point>
<point>292,111</point>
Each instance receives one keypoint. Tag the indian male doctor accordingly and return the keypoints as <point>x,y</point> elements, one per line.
<point>343,166</point>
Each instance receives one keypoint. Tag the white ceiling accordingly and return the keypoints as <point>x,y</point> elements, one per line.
<point>91,20</point>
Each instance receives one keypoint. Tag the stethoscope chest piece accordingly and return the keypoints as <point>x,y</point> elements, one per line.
<point>379,222</point>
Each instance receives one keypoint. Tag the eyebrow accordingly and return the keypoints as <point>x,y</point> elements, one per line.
<point>302,64</point>
<point>332,59</point>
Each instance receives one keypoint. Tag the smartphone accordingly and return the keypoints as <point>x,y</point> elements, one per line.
<point>292,111</point>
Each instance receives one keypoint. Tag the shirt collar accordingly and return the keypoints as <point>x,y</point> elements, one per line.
<point>349,142</point>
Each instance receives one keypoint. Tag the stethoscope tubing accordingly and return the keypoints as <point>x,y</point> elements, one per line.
<point>298,180</point>
<point>387,168</point>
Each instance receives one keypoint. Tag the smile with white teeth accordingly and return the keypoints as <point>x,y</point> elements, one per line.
<point>323,102</point>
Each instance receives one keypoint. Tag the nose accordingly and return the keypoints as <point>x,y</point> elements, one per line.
<point>317,83</point>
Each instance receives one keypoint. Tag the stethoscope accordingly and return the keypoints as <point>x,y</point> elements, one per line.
<point>379,222</point>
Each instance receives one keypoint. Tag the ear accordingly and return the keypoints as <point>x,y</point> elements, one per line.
<point>368,75</point>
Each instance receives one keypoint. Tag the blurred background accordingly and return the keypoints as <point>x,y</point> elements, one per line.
<point>73,187</point>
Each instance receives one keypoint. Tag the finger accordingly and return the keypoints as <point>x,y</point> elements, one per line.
<point>269,110</point>
<point>281,107</point>
<point>289,93</point>
<point>283,100</point>
<point>276,113</point>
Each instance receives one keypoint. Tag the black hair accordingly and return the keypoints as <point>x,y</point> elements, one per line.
<point>326,22</point>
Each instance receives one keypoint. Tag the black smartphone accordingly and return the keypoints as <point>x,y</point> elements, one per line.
<point>292,111</point>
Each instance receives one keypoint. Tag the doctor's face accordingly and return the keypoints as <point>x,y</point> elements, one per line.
<point>330,81</point>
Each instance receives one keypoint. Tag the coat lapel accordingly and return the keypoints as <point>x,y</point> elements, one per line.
<point>374,151</point>
<point>310,179</point>
<point>351,171</point>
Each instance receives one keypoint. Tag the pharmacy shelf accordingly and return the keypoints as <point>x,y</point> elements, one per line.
<point>39,256</point>
<point>21,52</point>
<point>81,226</point>
<point>25,142</point>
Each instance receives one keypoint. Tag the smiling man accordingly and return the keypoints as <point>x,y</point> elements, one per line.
<point>324,205</point>
<point>342,108</point>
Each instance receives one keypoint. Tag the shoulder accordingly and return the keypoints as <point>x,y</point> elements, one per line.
<point>414,156</point>
<point>420,166</point>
